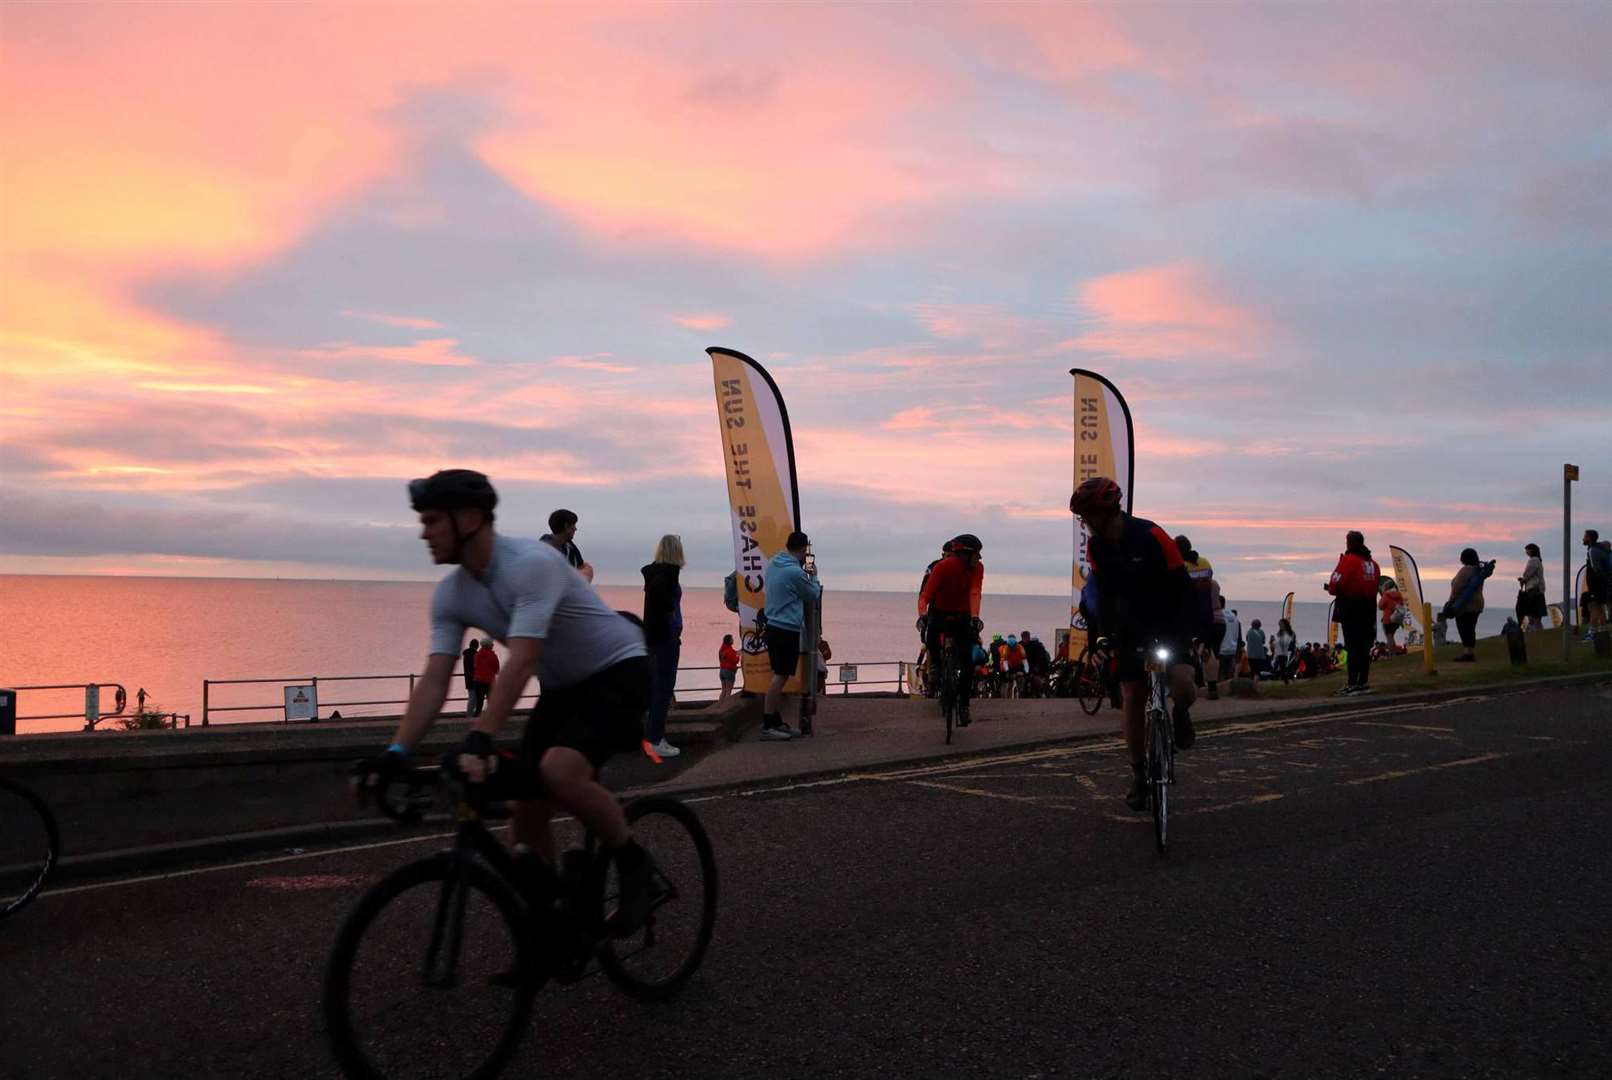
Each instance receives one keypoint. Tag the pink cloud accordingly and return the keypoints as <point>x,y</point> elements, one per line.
<point>703,322</point>
<point>596,362</point>
<point>408,322</point>
<point>1165,312</point>
<point>439,352</point>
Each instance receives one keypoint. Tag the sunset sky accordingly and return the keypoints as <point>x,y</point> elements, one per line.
<point>1351,265</point>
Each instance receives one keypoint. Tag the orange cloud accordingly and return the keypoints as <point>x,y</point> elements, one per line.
<point>1164,313</point>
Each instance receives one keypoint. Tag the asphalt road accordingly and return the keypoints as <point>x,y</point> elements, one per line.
<point>1423,891</point>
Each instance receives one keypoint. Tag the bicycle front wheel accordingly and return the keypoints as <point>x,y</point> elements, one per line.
<point>1089,682</point>
<point>432,975</point>
<point>654,964</point>
<point>29,846</point>
<point>1158,774</point>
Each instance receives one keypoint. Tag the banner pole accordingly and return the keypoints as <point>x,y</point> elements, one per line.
<point>1428,664</point>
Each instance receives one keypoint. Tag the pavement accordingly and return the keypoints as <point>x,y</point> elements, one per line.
<point>1416,888</point>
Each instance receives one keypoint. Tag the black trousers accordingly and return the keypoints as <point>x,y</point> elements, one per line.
<point>1359,635</point>
<point>1467,627</point>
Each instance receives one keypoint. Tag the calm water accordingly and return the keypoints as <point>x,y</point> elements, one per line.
<point>168,634</point>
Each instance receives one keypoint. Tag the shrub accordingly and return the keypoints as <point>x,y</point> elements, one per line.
<point>149,718</point>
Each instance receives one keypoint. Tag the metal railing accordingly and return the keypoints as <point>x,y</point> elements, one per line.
<point>91,717</point>
<point>899,678</point>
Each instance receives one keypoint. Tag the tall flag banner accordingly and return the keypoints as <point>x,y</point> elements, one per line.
<point>1410,585</point>
<point>1332,624</point>
<point>1287,608</point>
<point>1104,446</point>
<point>1577,616</point>
<point>759,453</point>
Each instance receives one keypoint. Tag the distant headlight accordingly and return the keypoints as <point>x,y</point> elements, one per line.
<point>1161,653</point>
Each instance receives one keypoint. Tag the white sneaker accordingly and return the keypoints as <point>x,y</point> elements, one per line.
<point>666,749</point>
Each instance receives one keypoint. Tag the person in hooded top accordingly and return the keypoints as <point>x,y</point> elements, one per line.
<point>1354,584</point>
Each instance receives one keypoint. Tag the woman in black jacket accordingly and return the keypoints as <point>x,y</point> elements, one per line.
<point>663,634</point>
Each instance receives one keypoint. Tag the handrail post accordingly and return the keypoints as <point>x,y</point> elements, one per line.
<point>315,683</point>
<point>205,684</point>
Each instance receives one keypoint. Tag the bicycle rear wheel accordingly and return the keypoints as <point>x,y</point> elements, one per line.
<point>654,964</point>
<point>948,694</point>
<point>29,846</point>
<point>1158,775</point>
<point>432,975</point>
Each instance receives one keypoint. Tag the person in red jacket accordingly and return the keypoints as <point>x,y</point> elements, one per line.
<point>950,604</point>
<point>727,661</point>
<point>1391,603</point>
<point>486,672</point>
<point>1354,583</point>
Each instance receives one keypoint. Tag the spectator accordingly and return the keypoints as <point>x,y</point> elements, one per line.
<point>1286,646</point>
<point>1531,590</point>
<point>727,662</point>
<point>486,672</point>
<point>1466,601</point>
<point>824,655</point>
<point>1212,643</point>
<point>789,590</point>
<point>562,535</point>
<point>470,676</point>
<point>1230,642</point>
<point>1441,629</point>
<point>663,634</point>
<point>1354,585</point>
<point>1205,596</point>
<point>1391,602</point>
<point>1597,579</point>
<point>1036,652</point>
<point>1258,662</point>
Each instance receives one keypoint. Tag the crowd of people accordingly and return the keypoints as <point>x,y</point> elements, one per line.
<point>602,674</point>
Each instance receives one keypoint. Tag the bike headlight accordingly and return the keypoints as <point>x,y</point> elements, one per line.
<point>1161,653</point>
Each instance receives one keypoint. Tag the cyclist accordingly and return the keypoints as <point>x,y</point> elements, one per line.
<point>590,661</point>
<point>1145,597</point>
<point>950,604</point>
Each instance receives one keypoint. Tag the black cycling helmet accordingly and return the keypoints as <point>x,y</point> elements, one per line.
<point>453,489</point>
<point>1094,496</point>
<point>967,542</point>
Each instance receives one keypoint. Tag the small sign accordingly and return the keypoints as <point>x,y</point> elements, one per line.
<point>847,673</point>
<point>92,705</point>
<point>301,703</point>
<point>1570,472</point>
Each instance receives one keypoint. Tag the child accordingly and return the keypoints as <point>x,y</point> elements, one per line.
<point>727,659</point>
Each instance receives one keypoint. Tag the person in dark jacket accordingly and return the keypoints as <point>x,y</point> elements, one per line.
<point>470,677</point>
<point>1468,584</point>
<point>1354,583</point>
<point>562,536</point>
<point>663,634</point>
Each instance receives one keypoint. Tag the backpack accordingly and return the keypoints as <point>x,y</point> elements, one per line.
<point>730,592</point>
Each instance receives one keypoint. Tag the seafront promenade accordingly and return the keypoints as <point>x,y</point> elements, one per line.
<point>142,801</point>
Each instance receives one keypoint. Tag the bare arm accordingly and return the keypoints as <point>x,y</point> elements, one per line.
<point>430,691</point>
<point>510,683</point>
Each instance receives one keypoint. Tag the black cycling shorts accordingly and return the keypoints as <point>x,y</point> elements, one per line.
<point>599,717</point>
<point>783,650</point>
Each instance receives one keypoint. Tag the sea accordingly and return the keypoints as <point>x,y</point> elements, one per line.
<point>361,639</point>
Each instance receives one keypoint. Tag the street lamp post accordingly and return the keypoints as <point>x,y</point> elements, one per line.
<point>1569,601</point>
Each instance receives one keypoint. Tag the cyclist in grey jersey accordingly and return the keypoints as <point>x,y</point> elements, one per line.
<point>590,661</point>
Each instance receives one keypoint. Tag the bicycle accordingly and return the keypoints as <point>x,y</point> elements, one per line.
<point>1159,740</point>
<point>30,845</point>
<point>1097,676</point>
<point>948,676</point>
<point>443,957</point>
